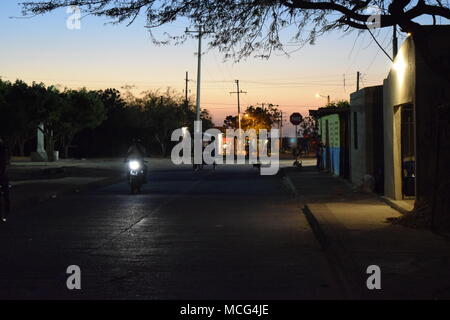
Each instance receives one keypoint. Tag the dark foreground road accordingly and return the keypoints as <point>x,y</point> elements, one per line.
<point>229,234</point>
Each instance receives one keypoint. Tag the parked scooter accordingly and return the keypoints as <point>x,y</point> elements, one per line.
<point>298,163</point>
<point>136,175</point>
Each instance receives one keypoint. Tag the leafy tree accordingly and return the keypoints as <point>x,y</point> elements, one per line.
<point>162,116</point>
<point>111,100</point>
<point>25,120</point>
<point>308,126</point>
<point>18,119</point>
<point>206,118</point>
<point>123,122</point>
<point>163,113</point>
<point>151,117</point>
<point>338,104</point>
<point>16,114</point>
<point>255,118</point>
<point>24,107</point>
<point>82,109</point>
<point>121,113</point>
<point>47,106</point>
<point>6,126</point>
<point>230,122</point>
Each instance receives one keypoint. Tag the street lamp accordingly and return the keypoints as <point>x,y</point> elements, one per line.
<point>250,120</point>
<point>318,95</point>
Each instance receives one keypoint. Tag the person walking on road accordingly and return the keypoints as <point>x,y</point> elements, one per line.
<point>319,152</point>
<point>4,183</point>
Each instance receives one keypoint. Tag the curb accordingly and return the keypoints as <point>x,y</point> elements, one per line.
<point>393,205</point>
<point>332,253</point>
<point>37,174</point>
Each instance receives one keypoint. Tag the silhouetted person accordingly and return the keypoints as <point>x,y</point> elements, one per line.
<point>304,144</point>
<point>319,151</point>
<point>137,151</point>
<point>213,153</point>
<point>4,183</point>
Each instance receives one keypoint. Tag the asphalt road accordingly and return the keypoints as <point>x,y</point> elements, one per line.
<point>229,234</point>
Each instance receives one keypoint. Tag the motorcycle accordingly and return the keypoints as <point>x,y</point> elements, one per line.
<point>136,175</point>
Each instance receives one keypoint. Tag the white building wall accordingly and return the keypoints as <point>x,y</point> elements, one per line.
<point>358,159</point>
<point>399,88</point>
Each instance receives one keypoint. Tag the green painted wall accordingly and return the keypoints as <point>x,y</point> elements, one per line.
<point>333,125</point>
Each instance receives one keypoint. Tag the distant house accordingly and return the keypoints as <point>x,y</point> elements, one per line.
<point>366,137</point>
<point>333,129</point>
<point>414,91</point>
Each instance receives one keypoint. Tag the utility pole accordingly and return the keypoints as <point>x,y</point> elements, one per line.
<point>199,67</point>
<point>238,92</point>
<point>357,80</point>
<point>281,122</point>
<point>186,89</point>
<point>394,41</point>
<point>281,131</point>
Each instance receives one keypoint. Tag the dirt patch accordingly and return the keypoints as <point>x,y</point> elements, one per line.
<point>419,218</point>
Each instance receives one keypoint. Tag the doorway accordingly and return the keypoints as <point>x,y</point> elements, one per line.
<point>408,151</point>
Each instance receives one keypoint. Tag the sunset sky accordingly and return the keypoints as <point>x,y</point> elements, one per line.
<point>100,56</point>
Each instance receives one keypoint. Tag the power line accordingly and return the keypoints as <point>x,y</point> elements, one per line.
<point>377,52</point>
<point>376,41</point>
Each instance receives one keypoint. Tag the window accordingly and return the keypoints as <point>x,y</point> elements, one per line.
<point>355,129</point>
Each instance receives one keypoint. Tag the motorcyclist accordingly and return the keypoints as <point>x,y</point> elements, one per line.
<point>137,151</point>
<point>4,181</point>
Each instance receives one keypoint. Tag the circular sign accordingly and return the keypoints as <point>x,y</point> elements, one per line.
<point>296,118</point>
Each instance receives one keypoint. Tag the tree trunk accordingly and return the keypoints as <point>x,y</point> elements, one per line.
<point>50,145</point>
<point>21,144</point>
<point>66,141</point>
<point>162,145</point>
<point>10,144</point>
<point>163,149</point>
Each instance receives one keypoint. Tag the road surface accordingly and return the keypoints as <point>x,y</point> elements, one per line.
<point>228,234</point>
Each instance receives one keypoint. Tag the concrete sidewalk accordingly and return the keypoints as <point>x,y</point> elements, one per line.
<point>354,232</point>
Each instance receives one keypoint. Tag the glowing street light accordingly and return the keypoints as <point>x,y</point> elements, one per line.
<point>318,95</point>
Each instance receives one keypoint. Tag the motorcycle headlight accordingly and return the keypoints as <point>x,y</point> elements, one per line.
<point>134,165</point>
